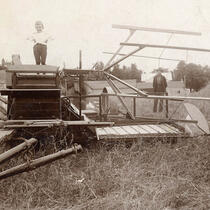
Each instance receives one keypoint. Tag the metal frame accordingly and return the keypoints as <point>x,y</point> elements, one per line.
<point>132,30</point>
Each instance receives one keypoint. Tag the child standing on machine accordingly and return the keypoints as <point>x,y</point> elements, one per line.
<point>40,39</point>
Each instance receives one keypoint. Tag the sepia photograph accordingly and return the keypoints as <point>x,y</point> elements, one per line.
<point>105,105</point>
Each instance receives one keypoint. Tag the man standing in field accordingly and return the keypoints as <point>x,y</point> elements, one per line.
<point>159,87</point>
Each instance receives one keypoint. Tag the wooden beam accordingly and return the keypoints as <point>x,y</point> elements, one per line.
<point>80,71</point>
<point>126,84</point>
<point>33,124</point>
<point>33,164</point>
<point>8,154</point>
<point>121,59</point>
<point>163,120</point>
<point>27,90</point>
<point>156,30</point>
<point>165,46</point>
<point>11,91</point>
<point>117,90</point>
<point>143,56</point>
<point>160,97</point>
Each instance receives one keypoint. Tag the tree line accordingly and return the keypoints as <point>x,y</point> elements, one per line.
<point>124,72</point>
<point>194,76</point>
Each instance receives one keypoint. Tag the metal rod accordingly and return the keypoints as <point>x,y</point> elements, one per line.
<point>8,154</point>
<point>175,98</point>
<point>165,46</point>
<point>80,59</point>
<point>156,30</point>
<point>166,106</point>
<point>100,108</point>
<point>142,56</point>
<point>119,49</point>
<point>33,164</point>
<point>63,123</point>
<point>134,107</point>
<point>126,84</point>
<point>80,85</point>
<point>162,120</point>
<point>80,71</point>
<point>116,90</point>
<point>83,96</point>
<point>164,50</point>
<point>121,59</point>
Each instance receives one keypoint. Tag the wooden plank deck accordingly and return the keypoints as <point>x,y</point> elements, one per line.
<point>136,131</point>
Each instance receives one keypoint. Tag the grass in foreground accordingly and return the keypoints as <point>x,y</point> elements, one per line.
<point>144,176</point>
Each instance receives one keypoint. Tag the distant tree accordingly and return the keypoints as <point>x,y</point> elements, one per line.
<point>135,73</point>
<point>179,72</point>
<point>99,66</point>
<point>116,70</point>
<point>126,72</point>
<point>195,78</point>
<point>206,70</point>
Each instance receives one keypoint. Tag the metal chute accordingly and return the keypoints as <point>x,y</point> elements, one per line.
<point>195,114</point>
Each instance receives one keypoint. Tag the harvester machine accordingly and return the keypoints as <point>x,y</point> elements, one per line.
<point>46,106</point>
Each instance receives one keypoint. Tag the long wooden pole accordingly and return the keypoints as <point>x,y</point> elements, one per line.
<point>6,155</point>
<point>165,46</point>
<point>126,84</point>
<point>159,97</point>
<point>171,31</point>
<point>38,162</point>
<point>121,59</point>
<point>80,85</point>
<point>116,90</point>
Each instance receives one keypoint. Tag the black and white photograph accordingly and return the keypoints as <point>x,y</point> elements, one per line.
<point>105,105</point>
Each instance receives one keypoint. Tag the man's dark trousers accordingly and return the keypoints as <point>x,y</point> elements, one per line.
<point>160,102</point>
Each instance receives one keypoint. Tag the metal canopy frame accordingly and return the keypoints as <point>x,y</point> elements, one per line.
<point>132,30</point>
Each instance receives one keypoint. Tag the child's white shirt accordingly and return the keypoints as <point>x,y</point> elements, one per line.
<point>40,38</point>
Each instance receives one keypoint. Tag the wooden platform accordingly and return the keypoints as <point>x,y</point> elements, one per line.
<point>12,124</point>
<point>32,68</point>
<point>135,131</point>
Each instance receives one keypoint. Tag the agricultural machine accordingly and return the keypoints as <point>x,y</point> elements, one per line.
<point>45,105</point>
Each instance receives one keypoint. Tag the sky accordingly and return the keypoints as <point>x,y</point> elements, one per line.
<point>87,25</point>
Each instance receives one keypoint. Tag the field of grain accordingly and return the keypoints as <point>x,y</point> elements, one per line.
<point>144,175</point>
